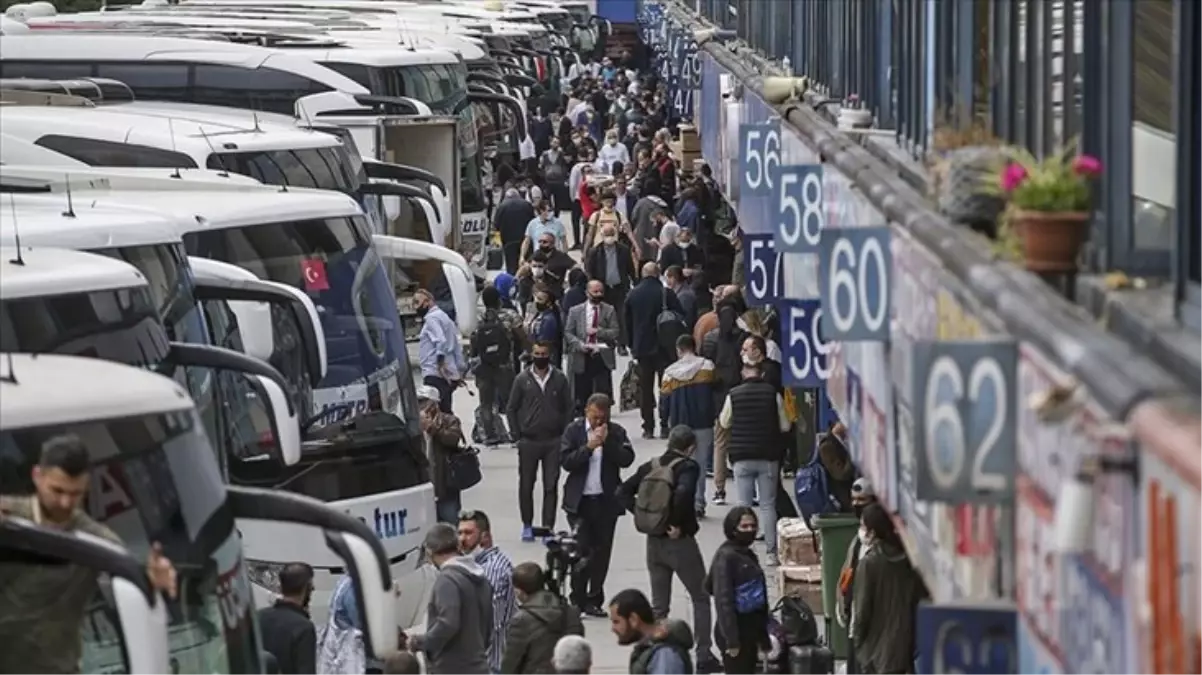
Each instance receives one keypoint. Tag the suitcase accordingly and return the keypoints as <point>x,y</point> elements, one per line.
<point>811,659</point>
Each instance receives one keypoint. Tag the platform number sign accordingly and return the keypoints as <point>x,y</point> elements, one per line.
<point>804,349</point>
<point>854,281</point>
<point>764,276</point>
<point>692,66</point>
<point>964,420</point>
<point>797,201</point>
<point>759,157</point>
<point>969,639</point>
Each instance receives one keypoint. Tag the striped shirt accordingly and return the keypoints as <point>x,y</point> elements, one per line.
<point>499,571</point>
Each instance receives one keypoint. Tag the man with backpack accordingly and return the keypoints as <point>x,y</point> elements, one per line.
<point>492,344</point>
<point>661,495</point>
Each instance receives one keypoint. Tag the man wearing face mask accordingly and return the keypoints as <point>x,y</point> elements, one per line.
<point>554,166</point>
<point>288,632</point>
<point>612,151</point>
<point>613,264</point>
<point>591,336</point>
<point>862,495</point>
<point>439,351</point>
<point>545,223</point>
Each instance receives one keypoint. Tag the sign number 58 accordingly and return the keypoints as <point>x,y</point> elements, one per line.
<point>965,419</point>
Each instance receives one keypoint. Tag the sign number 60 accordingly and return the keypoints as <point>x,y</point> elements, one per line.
<point>855,282</point>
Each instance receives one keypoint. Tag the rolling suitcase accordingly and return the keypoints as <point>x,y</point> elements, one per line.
<point>816,658</point>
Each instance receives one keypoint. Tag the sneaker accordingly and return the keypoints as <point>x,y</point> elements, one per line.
<point>770,560</point>
<point>699,511</point>
<point>527,533</point>
<point>719,498</point>
<point>709,473</point>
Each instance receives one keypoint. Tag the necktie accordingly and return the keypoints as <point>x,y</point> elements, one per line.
<point>596,322</point>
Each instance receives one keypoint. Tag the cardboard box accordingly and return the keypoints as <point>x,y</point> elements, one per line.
<point>689,140</point>
<point>801,581</point>
<point>798,545</point>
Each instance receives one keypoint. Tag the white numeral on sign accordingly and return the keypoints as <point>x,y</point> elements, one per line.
<point>754,158</point>
<point>849,276</point>
<point>813,358</point>
<point>945,414</point>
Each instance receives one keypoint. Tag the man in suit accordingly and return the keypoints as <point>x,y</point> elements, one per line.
<point>613,264</point>
<point>644,305</point>
<point>591,337</point>
<point>511,219</point>
<point>685,294</point>
<point>594,451</point>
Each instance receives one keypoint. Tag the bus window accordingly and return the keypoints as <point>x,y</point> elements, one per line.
<point>152,81</point>
<point>265,89</point>
<point>328,168</point>
<point>94,152</point>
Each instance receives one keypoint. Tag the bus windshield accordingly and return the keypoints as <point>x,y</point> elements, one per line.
<point>328,168</point>
<point>332,260</point>
<point>154,479</point>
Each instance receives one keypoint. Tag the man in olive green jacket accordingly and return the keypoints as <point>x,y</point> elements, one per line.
<point>542,618</point>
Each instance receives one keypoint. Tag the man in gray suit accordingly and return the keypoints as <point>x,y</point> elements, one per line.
<point>591,335</point>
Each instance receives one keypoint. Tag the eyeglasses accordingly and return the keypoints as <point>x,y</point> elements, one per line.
<point>469,514</point>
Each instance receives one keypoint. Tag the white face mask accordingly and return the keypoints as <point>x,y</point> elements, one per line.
<point>865,538</point>
<point>684,244</point>
<point>749,361</point>
<point>536,271</point>
<point>609,240</point>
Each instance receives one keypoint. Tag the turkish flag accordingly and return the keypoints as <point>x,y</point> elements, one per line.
<point>314,272</point>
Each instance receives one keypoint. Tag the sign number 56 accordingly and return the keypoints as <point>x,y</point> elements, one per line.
<point>760,150</point>
<point>964,420</point>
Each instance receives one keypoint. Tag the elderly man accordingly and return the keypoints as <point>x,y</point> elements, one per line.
<point>510,220</point>
<point>573,656</point>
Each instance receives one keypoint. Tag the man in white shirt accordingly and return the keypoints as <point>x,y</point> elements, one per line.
<point>594,451</point>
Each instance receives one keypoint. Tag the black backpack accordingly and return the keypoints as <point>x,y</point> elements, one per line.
<point>492,342</point>
<point>668,327</point>
<point>797,621</point>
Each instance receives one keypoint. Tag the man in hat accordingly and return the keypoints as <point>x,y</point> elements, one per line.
<point>862,494</point>
<point>442,432</point>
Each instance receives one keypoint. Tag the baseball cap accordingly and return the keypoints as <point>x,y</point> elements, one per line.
<point>426,392</point>
<point>862,488</point>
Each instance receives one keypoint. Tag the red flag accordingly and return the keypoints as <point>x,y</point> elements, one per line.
<point>314,272</point>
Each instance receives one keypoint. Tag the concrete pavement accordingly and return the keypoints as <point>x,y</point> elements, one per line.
<point>497,496</point>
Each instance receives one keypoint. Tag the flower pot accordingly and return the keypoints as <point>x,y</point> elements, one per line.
<point>1051,239</point>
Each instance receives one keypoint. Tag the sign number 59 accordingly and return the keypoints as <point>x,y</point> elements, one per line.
<point>965,420</point>
<point>804,349</point>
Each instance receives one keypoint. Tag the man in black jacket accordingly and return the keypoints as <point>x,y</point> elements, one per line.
<point>612,264</point>
<point>676,551</point>
<point>288,633</point>
<point>540,406</point>
<point>511,219</point>
<point>594,451</point>
<point>754,413</point>
<point>644,305</point>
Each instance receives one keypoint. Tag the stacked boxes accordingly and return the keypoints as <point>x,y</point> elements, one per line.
<point>689,150</point>
<point>800,571</point>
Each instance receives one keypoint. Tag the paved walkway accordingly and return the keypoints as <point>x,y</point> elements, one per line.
<point>497,496</point>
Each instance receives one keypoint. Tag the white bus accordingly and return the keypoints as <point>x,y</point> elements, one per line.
<point>154,478</point>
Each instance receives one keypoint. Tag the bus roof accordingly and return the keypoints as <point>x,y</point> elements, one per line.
<point>67,46</point>
<point>195,133</point>
<point>376,55</point>
<point>48,220</point>
<point>51,389</point>
<point>45,271</point>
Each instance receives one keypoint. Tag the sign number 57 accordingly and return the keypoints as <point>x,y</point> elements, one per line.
<point>964,420</point>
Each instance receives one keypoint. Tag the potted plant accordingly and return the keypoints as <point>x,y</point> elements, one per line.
<point>1048,206</point>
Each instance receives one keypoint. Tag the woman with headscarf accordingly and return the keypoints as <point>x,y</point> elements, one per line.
<point>885,596</point>
<point>740,591</point>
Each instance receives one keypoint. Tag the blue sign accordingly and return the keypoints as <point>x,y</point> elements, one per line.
<point>692,67</point>
<point>802,347</point>
<point>854,281</point>
<point>764,277</point>
<point>965,415</point>
<point>798,208</point>
<point>968,639</point>
<point>759,155</point>
<point>710,120</point>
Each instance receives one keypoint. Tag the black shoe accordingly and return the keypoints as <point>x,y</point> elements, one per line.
<point>708,663</point>
<point>593,611</point>
<point>663,432</point>
<point>648,435</point>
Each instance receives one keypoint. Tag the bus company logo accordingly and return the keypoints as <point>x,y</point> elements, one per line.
<point>387,524</point>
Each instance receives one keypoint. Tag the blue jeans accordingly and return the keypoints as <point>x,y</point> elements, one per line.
<point>765,475</point>
<point>447,509</point>
<point>704,454</point>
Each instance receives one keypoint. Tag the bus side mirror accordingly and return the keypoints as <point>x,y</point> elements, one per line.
<point>347,537</point>
<point>141,615</point>
<point>285,424</point>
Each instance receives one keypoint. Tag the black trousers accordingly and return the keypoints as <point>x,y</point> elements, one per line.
<point>616,296</point>
<point>493,384</point>
<point>513,251</point>
<point>596,379</point>
<point>444,391</point>
<point>531,455</point>
<point>560,200</point>
<point>595,520</point>
<point>649,369</point>
<point>577,214</point>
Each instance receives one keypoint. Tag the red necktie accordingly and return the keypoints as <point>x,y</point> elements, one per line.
<point>596,321</point>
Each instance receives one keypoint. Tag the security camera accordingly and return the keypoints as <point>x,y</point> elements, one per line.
<point>778,90</point>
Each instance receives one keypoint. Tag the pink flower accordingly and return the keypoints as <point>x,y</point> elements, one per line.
<point>1087,165</point>
<point>1013,176</point>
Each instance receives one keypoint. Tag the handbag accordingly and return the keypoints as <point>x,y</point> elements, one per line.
<point>463,468</point>
<point>629,390</point>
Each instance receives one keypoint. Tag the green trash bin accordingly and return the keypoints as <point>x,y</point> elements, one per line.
<point>835,533</point>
